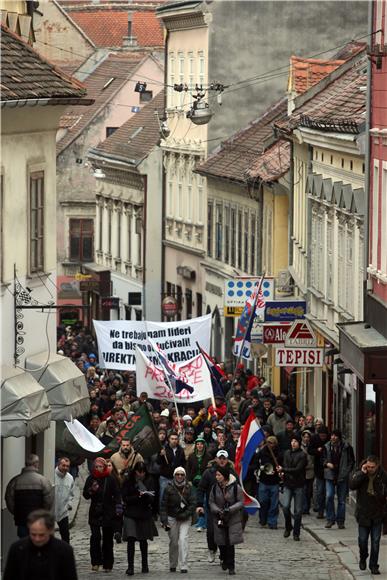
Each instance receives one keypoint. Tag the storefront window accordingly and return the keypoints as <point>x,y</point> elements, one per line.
<point>370,421</point>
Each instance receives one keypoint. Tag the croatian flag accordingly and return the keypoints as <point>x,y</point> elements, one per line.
<point>249,439</point>
<point>216,372</point>
<point>177,379</point>
<point>242,341</point>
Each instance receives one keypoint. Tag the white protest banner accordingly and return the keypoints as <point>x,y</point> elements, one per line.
<point>83,436</point>
<point>117,340</point>
<point>150,379</point>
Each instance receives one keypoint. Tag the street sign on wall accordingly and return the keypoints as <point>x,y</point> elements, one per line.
<point>275,333</point>
<point>300,334</point>
<point>299,357</point>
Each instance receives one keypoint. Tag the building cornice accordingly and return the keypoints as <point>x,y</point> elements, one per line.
<point>183,248</point>
<point>342,142</point>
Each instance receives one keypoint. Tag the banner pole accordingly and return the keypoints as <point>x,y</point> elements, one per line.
<point>244,338</point>
<point>212,390</point>
<point>172,389</point>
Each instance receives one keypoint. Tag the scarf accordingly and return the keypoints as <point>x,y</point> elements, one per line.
<point>370,488</point>
<point>100,474</point>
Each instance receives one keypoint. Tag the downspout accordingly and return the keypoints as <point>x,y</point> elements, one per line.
<point>291,201</point>
<point>367,178</point>
<point>164,181</point>
<point>145,214</point>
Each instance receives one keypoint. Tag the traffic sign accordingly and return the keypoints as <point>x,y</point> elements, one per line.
<point>300,334</point>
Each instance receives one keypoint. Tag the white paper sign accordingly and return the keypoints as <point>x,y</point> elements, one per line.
<point>117,340</point>
<point>84,437</point>
<point>150,379</point>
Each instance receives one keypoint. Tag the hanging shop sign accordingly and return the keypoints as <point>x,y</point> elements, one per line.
<point>301,334</point>
<point>284,310</point>
<point>299,357</point>
<point>169,306</point>
<point>275,333</point>
<point>238,290</point>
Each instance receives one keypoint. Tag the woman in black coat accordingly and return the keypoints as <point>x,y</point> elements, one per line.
<point>138,496</point>
<point>104,492</point>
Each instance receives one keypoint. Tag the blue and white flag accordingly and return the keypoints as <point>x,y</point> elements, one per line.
<point>178,380</point>
<point>242,341</point>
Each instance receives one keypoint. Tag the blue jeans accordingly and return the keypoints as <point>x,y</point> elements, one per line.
<point>268,498</point>
<point>341,488</point>
<point>320,495</point>
<point>298,495</point>
<point>375,531</point>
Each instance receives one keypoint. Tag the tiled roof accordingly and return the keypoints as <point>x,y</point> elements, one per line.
<point>339,105</point>
<point>235,156</point>
<point>119,67</point>
<point>306,72</point>
<point>107,28</point>
<point>27,75</point>
<point>272,164</point>
<point>136,138</point>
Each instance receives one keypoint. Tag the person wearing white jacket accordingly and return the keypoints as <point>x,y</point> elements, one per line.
<point>64,492</point>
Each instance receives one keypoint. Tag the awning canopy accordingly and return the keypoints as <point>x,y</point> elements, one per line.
<point>64,383</point>
<point>25,410</point>
<point>364,351</point>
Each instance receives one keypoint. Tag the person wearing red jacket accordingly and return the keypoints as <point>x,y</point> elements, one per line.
<point>220,408</point>
<point>252,381</point>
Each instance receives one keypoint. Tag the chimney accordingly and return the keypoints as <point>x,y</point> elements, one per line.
<point>129,41</point>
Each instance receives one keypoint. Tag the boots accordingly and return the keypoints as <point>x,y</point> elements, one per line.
<point>130,570</point>
<point>144,556</point>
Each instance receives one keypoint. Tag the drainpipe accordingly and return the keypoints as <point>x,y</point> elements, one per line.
<point>144,246</point>
<point>164,181</point>
<point>291,201</point>
<point>367,178</point>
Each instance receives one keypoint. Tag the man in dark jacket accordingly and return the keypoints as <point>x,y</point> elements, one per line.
<point>316,449</point>
<point>40,555</point>
<point>370,481</point>
<point>284,437</point>
<point>170,457</point>
<point>293,470</point>
<point>27,492</point>
<point>339,461</point>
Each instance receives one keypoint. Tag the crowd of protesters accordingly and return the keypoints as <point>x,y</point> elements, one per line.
<point>192,481</point>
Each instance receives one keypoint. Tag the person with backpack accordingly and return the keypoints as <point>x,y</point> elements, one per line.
<point>226,505</point>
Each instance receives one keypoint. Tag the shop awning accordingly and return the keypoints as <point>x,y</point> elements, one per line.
<point>64,383</point>
<point>364,351</point>
<point>25,409</point>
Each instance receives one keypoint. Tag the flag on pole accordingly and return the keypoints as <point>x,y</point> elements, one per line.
<point>216,372</point>
<point>242,341</point>
<point>249,439</point>
<point>177,378</point>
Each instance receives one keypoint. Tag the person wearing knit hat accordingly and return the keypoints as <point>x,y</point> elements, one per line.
<point>176,511</point>
<point>103,490</point>
<point>196,465</point>
<point>226,505</point>
<point>293,470</point>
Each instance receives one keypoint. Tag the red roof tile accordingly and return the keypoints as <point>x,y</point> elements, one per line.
<point>339,105</point>
<point>306,72</point>
<point>25,74</point>
<point>136,138</point>
<point>272,164</point>
<point>112,67</point>
<point>235,156</point>
<point>107,28</point>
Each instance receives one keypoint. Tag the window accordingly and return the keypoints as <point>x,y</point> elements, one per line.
<point>130,237</point>
<point>81,240</point>
<point>218,236</point>
<point>146,96</point>
<point>200,199</point>
<point>227,235</point>
<point>170,199</point>
<point>110,131</point>
<point>240,237</point>
<point>329,245</point>
<point>210,213</point>
<point>191,70</point>
<point>37,221</point>
<point>375,215</point>
<point>246,244</point>
<point>201,68</point>
<point>100,224</point>
<point>179,300</point>
<point>199,304</point>
<point>383,259</point>
<point>349,306</point>
<point>188,303</point>
<point>181,77</point>
<point>180,201</point>
<point>118,252</point>
<point>189,197</point>
<point>253,245</point>
<point>341,266</point>
<point>233,236</point>
<point>110,217</point>
<point>360,278</point>
<point>171,92</point>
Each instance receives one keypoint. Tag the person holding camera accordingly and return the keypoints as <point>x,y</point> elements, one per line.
<point>177,509</point>
<point>226,505</point>
<point>370,483</point>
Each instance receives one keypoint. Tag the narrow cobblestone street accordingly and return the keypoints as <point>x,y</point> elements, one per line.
<point>265,554</point>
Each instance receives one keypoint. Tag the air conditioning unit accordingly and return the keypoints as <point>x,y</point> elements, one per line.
<point>284,283</point>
